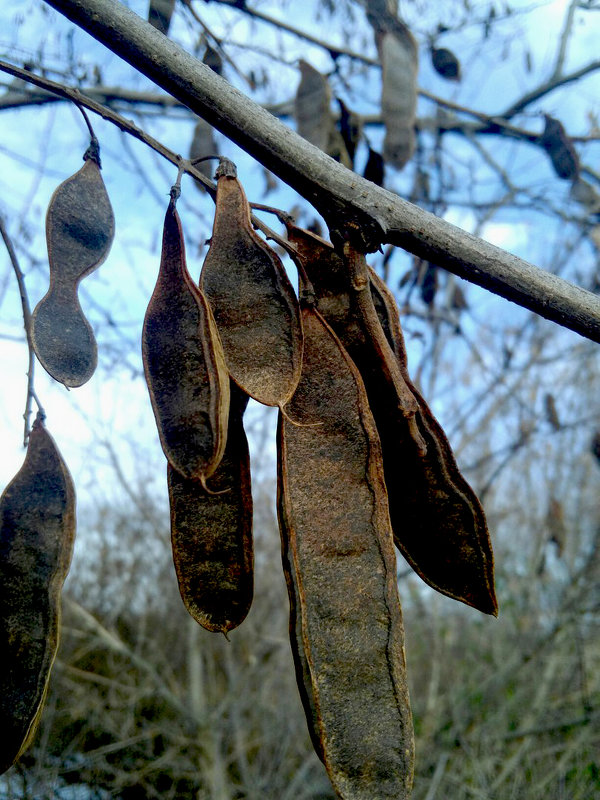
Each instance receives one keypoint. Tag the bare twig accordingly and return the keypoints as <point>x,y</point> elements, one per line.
<point>31,395</point>
<point>352,206</point>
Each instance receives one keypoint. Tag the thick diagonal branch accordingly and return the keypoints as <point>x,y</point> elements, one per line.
<point>347,201</point>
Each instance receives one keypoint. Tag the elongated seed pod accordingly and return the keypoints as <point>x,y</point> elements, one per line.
<point>560,149</point>
<point>439,525</point>
<point>203,144</point>
<point>184,364</point>
<point>211,533</point>
<point>252,300</point>
<point>37,531</point>
<point>312,106</point>
<point>336,530</point>
<point>79,231</point>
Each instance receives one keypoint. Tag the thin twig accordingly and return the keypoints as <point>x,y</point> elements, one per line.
<point>31,395</point>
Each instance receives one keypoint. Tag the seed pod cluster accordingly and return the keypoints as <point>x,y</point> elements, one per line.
<point>37,530</point>
<point>79,232</point>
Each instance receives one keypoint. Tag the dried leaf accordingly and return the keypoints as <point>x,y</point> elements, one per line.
<point>211,533</point>
<point>336,533</point>
<point>184,364</point>
<point>252,299</point>
<point>551,412</point>
<point>445,63</point>
<point>80,228</point>
<point>37,518</point>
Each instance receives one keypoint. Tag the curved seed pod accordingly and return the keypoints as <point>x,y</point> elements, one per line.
<point>37,531</point>
<point>79,231</point>
<point>184,364</point>
<point>439,525</point>
<point>312,107</point>
<point>398,54</point>
<point>336,530</point>
<point>211,533</point>
<point>559,147</point>
<point>252,300</point>
<point>203,144</point>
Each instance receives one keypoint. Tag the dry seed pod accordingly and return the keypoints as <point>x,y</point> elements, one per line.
<point>439,525</point>
<point>184,364</point>
<point>37,519</point>
<point>313,106</point>
<point>398,54</point>
<point>336,532</point>
<point>252,300</point>
<point>211,533</point>
<point>79,231</point>
<point>374,168</point>
<point>160,13</point>
<point>351,130</point>
<point>203,144</point>
<point>212,58</point>
<point>560,149</point>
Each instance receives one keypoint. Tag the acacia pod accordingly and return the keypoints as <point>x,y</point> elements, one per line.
<point>438,523</point>
<point>160,13</point>
<point>559,147</point>
<point>203,144</point>
<point>37,531</point>
<point>336,530</point>
<point>252,300</point>
<point>211,533</point>
<point>312,107</point>
<point>398,54</point>
<point>79,232</point>
<point>184,364</point>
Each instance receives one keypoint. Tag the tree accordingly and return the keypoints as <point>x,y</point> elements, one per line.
<point>508,367</point>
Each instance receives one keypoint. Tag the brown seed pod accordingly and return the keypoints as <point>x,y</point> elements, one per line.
<point>252,300</point>
<point>211,533</point>
<point>439,525</point>
<point>184,364</point>
<point>160,13</point>
<point>203,144</point>
<point>336,531</point>
<point>398,54</point>
<point>313,106</point>
<point>559,147</point>
<point>37,530</point>
<point>79,231</point>
<point>374,168</point>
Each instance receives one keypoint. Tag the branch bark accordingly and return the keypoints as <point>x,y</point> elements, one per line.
<point>348,202</point>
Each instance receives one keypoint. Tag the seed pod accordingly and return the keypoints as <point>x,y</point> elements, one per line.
<point>212,58</point>
<point>351,130</point>
<point>439,525</point>
<point>336,532</point>
<point>374,168</point>
<point>560,149</point>
<point>313,106</point>
<point>203,144</point>
<point>211,533</point>
<point>184,364</point>
<point>37,530</point>
<point>252,300</point>
<point>445,63</point>
<point>79,231</point>
<point>398,54</point>
<point>160,13</point>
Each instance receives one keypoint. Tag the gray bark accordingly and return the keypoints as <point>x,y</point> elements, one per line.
<point>351,206</point>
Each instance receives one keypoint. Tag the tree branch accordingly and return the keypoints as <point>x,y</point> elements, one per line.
<point>348,202</point>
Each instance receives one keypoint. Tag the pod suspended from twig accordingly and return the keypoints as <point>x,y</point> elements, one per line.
<point>203,144</point>
<point>559,147</point>
<point>37,531</point>
<point>252,300</point>
<point>160,13</point>
<point>80,228</point>
<point>184,364</point>
<point>445,63</point>
<point>211,533</point>
<point>336,535</point>
<point>439,525</point>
